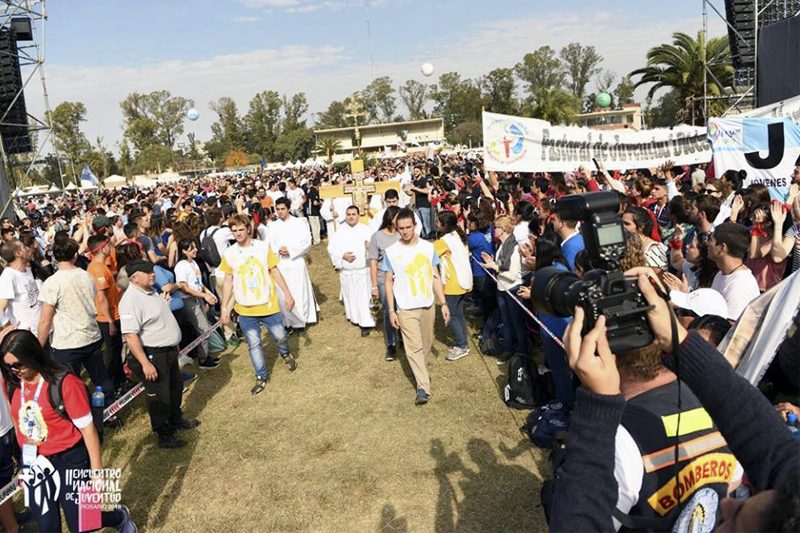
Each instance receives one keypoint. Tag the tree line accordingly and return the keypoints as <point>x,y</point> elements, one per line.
<point>547,84</point>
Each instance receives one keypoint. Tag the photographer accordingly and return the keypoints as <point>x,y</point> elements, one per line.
<point>585,496</point>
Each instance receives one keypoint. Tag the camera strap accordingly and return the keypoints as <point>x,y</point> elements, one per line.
<point>673,324</point>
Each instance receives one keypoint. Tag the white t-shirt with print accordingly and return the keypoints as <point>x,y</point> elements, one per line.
<point>188,272</point>
<point>21,290</point>
<point>413,267</point>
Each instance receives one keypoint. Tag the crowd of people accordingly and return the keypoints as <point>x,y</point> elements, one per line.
<point>119,282</point>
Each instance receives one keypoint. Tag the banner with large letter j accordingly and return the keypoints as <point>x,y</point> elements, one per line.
<point>767,148</point>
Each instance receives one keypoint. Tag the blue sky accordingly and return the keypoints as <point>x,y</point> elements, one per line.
<point>98,51</point>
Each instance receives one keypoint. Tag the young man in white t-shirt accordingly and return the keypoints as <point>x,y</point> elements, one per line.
<point>412,280</point>
<point>223,238</point>
<point>19,290</point>
<point>727,248</point>
<point>297,198</point>
<point>252,279</point>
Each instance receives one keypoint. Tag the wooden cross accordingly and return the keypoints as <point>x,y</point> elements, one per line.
<point>359,191</point>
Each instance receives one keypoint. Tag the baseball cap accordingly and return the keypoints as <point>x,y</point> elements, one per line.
<point>701,302</point>
<point>139,265</point>
<point>101,221</point>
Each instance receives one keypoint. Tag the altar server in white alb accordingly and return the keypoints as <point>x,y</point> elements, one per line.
<point>348,251</point>
<point>333,211</point>
<point>290,238</point>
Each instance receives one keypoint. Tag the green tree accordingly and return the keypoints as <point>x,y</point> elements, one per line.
<point>69,140</point>
<point>624,91</point>
<point>328,146</point>
<point>334,116</point>
<point>544,75</point>
<point>262,123</point>
<point>414,96</point>
<point>294,109</point>
<point>467,134</point>
<point>499,88</point>
<point>680,66</point>
<point>665,113</point>
<point>126,161</point>
<point>153,158</point>
<point>154,118</point>
<point>540,70</point>
<point>228,128</point>
<point>294,144</point>
<point>581,63</point>
<point>456,100</point>
<point>605,80</point>
<point>378,99</point>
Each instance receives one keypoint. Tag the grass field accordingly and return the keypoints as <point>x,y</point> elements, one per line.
<point>337,445</point>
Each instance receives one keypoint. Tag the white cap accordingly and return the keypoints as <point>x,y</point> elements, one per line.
<point>701,302</point>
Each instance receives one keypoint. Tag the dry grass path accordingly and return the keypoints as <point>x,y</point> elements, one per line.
<point>338,445</point>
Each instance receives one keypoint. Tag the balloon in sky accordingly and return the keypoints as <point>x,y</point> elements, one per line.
<point>602,100</point>
<point>427,69</point>
<point>192,114</point>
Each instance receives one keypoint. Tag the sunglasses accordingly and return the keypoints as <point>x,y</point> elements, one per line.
<point>710,191</point>
<point>16,366</point>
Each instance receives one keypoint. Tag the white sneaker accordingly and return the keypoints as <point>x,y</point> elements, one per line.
<point>456,353</point>
<point>185,360</point>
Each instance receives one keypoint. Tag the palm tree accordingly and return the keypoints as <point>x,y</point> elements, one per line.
<point>328,146</point>
<point>680,66</point>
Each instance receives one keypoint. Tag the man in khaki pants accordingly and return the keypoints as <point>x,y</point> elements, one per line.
<point>412,280</point>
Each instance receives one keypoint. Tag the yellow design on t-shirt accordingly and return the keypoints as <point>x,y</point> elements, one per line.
<point>419,271</point>
<point>252,280</point>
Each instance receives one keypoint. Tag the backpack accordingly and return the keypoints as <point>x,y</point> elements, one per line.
<point>544,424</point>
<point>208,249</point>
<point>56,397</point>
<point>520,392</point>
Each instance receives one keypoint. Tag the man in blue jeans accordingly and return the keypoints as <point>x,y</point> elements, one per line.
<point>251,276</point>
<point>421,188</point>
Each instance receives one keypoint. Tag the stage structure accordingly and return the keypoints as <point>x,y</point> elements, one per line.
<point>744,20</point>
<point>22,56</point>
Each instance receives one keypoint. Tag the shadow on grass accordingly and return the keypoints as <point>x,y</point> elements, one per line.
<point>390,522</point>
<point>319,296</point>
<point>154,477</point>
<point>492,494</point>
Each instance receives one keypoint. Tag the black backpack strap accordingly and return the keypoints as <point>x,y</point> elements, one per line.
<point>641,523</point>
<point>57,395</point>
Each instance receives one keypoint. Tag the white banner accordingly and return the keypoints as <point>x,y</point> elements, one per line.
<point>517,144</point>
<point>766,148</point>
<point>784,109</point>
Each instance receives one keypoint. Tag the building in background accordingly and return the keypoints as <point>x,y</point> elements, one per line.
<point>380,138</point>
<point>629,116</point>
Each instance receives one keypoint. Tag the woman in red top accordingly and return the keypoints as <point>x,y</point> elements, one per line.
<point>68,444</point>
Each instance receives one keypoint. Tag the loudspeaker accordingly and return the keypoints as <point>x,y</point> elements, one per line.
<point>22,28</point>
<point>15,129</point>
<point>778,63</point>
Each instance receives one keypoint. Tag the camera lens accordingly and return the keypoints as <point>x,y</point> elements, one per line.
<point>556,291</point>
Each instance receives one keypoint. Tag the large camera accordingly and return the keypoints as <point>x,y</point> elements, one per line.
<point>603,290</point>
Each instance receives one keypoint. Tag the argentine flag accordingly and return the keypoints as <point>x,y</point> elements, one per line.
<point>88,179</point>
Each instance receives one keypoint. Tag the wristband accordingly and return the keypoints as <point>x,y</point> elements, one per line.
<point>758,231</point>
<point>676,245</point>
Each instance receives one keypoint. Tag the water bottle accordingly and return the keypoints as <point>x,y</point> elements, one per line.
<point>791,421</point>
<point>98,398</point>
